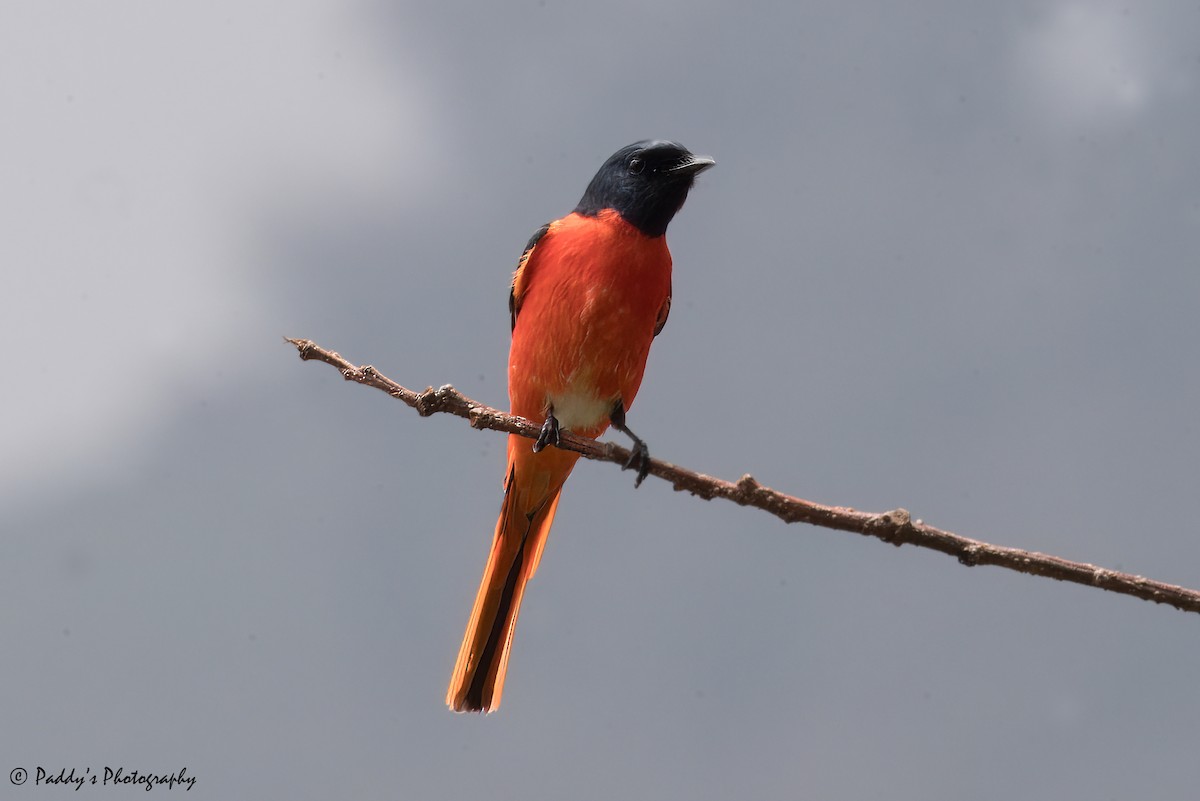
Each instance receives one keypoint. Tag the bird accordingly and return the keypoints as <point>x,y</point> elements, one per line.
<point>590,293</point>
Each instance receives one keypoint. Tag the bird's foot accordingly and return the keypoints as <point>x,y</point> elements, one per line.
<point>549,434</point>
<point>639,459</point>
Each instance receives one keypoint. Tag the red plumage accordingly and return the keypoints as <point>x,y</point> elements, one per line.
<point>589,295</point>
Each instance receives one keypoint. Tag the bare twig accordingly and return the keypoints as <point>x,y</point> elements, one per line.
<point>895,527</point>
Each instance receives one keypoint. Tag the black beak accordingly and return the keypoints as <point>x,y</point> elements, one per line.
<point>692,165</point>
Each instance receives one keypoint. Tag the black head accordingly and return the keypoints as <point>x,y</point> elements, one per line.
<point>646,183</point>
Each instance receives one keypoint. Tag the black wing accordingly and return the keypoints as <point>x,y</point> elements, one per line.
<point>517,291</point>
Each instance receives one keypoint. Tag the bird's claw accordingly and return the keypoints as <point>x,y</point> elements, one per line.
<point>639,459</point>
<point>548,435</point>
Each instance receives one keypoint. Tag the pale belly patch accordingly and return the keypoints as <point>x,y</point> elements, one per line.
<point>578,409</point>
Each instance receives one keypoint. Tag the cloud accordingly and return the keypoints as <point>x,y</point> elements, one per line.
<point>133,163</point>
<point>1083,64</point>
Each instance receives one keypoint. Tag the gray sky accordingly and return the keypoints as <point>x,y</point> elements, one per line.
<point>947,261</point>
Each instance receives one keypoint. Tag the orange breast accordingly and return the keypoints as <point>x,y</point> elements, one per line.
<point>590,297</point>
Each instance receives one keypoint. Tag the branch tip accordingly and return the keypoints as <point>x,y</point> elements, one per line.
<point>304,346</point>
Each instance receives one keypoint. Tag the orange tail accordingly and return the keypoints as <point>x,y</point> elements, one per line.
<point>531,489</point>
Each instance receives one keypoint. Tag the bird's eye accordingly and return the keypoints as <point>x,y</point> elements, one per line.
<point>636,165</point>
